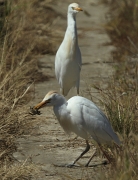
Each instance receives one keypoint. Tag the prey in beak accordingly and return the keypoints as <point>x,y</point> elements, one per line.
<point>34,110</point>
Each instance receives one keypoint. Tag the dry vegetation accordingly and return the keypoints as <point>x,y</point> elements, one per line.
<point>23,34</point>
<point>121,98</point>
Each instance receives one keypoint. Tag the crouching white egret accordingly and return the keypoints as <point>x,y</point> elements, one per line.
<point>81,116</point>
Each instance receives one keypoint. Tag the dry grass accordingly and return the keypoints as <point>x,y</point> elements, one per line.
<point>120,105</point>
<point>123,27</point>
<point>24,34</point>
<point>120,99</point>
<point>24,171</point>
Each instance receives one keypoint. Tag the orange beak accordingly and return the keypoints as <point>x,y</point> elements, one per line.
<point>78,9</point>
<point>40,105</point>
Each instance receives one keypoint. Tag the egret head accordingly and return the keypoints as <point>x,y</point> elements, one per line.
<point>52,98</point>
<point>74,8</point>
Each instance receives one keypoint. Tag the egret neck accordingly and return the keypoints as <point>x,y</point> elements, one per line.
<point>72,31</point>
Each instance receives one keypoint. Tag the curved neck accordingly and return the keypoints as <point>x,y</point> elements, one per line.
<point>71,18</point>
<point>72,24</point>
<point>60,101</point>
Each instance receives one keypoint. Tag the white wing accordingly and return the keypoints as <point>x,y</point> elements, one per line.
<point>88,118</point>
<point>68,65</point>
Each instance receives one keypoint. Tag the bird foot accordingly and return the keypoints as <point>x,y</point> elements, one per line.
<point>66,165</point>
<point>72,165</point>
<point>99,164</point>
<point>59,165</point>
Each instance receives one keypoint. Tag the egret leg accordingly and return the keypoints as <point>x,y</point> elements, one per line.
<point>78,92</point>
<point>94,154</point>
<point>62,91</point>
<point>105,154</point>
<point>85,151</point>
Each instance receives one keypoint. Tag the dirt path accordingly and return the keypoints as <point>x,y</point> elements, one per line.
<point>48,144</point>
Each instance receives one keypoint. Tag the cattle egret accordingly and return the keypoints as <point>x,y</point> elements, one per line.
<point>81,116</point>
<point>68,56</point>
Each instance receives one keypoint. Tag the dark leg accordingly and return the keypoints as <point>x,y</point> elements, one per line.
<point>71,165</point>
<point>62,91</point>
<point>105,154</point>
<point>90,159</point>
<point>77,91</point>
<point>85,151</point>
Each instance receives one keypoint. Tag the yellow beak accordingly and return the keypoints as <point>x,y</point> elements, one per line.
<point>78,9</point>
<point>40,105</point>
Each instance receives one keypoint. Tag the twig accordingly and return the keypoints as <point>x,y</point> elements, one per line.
<point>132,43</point>
<point>17,99</point>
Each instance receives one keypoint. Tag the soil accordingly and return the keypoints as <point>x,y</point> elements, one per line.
<point>48,144</point>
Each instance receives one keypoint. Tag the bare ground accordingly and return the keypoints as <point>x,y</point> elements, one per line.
<point>47,144</point>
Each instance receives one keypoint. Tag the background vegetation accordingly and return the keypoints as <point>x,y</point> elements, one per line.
<point>120,99</point>
<point>19,50</point>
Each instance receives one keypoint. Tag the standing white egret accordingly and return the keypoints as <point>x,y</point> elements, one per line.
<point>81,116</point>
<point>68,56</point>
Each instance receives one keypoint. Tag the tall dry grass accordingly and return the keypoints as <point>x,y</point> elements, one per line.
<point>122,28</point>
<point>120,99</point>
<point>25,34</point>
<point>120,105</point>
<point>21,41</point>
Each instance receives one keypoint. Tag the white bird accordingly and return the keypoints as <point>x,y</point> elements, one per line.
<point>81,116</point>
<point>68,57</point>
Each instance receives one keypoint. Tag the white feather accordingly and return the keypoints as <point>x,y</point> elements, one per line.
<point>68,57</point>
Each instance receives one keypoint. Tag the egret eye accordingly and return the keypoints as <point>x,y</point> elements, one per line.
<point>73,8</point>
<point>48,101</point>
